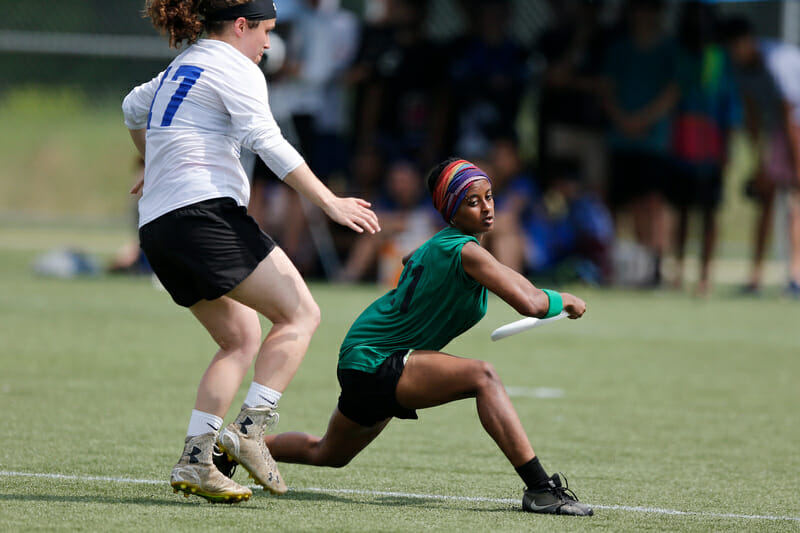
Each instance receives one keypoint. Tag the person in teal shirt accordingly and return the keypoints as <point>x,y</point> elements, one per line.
<point>390,362</point>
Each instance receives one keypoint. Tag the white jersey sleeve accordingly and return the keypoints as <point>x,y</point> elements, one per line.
<point>136,105</point>
<point>253,124</point>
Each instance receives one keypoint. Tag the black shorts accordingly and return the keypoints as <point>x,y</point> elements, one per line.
<point>635,174</point>
<point>370,398</point>
<point>694,188</point>
<point>203,250</point>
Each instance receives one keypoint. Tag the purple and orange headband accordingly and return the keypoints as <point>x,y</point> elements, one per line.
<point>452,186</point>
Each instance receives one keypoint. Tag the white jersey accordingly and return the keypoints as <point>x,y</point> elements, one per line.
<point>199,112</point>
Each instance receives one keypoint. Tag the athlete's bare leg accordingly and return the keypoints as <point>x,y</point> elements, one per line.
<point>237,331</point>
<point>276,290</point>
<point>343,440</point>
<point>429,379</point>
<point>434,378</point>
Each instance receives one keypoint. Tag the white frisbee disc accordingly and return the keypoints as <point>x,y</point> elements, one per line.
<point>524,324</point>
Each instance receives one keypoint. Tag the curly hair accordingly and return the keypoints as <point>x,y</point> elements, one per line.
<point>185,20</point>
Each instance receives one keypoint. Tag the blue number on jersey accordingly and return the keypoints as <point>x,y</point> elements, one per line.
<point>190,75</point>
<point>150,113</point>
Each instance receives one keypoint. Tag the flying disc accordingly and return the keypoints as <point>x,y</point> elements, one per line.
<point>524,324</point>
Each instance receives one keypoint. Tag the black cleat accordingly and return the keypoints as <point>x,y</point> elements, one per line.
<point>224,464</point>
<point>554,499</point>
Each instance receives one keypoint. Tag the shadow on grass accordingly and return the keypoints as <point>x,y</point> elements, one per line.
<point>385,501</point>
<point>155,500</point>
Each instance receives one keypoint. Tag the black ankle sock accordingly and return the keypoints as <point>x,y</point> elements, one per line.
<point>533,474</point>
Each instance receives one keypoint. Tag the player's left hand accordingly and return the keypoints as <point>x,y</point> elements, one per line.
<point>138,187</point>
<point>354,213</point>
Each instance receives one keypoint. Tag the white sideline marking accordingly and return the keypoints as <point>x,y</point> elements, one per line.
<point>542,393</point>
<point>635,509</point>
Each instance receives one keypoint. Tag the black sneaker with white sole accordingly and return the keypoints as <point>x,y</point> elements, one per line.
<point>555,498</point>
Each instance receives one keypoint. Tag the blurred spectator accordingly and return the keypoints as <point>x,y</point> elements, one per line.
<point>488,74</point>
<point>320,48</point>
<point>575,226</point>
<point>539,231</point>
<point>308,99</point>
<point>708,110</point>
<point>769,77</point>
<point>570,118</point>
<point>640,95</point>
<point>515,195</point>
<point>401,104</point>
<point>407,220</point>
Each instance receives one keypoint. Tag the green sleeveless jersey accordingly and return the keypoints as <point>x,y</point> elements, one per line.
<point>434,302</point>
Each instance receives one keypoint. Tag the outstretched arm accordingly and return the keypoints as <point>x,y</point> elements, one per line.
<point>354,213</point>
<point>511,286</point>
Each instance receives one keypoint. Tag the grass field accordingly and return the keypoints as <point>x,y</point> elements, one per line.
<point>669,414</point>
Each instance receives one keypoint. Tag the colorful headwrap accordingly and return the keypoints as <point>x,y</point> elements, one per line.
<point>452,186</point>
<point>253,10</point>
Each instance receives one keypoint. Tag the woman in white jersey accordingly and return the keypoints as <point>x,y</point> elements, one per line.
<point>190,122</point>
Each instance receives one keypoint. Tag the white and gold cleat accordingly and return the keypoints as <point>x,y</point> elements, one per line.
<point>243,442</point>
<point>195,474</point>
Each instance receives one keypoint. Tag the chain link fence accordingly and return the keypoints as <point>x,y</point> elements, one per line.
<point>103,48</point>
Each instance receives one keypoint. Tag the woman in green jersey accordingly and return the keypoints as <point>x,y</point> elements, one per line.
<point>390,362</point>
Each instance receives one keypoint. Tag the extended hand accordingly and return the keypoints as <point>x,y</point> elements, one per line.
<point>574,306</point>
<point>354,213</point>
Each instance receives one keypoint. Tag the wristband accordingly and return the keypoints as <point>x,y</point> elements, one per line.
<point>556,303</point>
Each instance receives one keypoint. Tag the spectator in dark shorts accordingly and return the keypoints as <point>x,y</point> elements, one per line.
<point>487,74</point>
<point>769,78</point>
<point>402,103</point>
<point>570,120</point>
<point>708,111</point>
<point>640,95</point>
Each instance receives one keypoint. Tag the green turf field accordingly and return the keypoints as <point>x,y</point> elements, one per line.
<point>669,414</point>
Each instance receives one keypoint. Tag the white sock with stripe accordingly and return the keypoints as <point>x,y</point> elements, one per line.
<point>261,395</point>
<point>201,423</point>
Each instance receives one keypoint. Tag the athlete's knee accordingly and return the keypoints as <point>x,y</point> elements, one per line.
<point>322,455</point>
<point>243,340</point>
<point>313,314</point>
<point>307,315</point>
<point>486,376</point>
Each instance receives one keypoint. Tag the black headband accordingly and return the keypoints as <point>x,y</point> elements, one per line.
<point>253,10</point>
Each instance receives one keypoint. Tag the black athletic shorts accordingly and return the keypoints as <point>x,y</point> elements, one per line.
<point>203,250</point>
<point>693,188</point>
<point>370,398</point>
<point>635,174</point>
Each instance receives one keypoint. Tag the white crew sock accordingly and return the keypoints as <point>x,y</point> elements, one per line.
<point>261,395</point>
<point>201,423</point>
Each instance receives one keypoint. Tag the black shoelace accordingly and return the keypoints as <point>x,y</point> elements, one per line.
<point>563,491</point>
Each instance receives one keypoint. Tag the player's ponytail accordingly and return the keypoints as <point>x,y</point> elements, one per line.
<point>186,20</point>
<point>178,19</point>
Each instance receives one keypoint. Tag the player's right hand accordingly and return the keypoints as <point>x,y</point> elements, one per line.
<point>574,306</point>
<point>354,213</point>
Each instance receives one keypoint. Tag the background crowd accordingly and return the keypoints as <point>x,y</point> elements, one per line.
<point>632,114</point>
